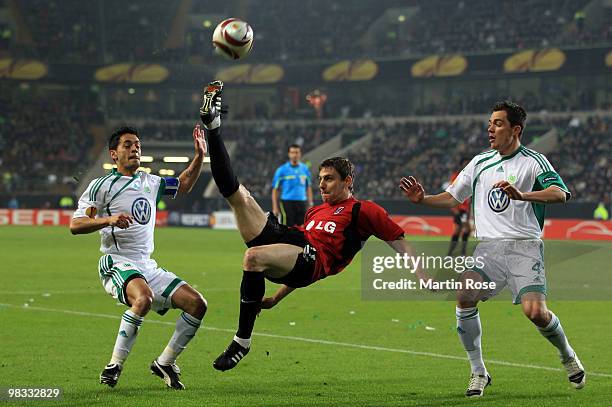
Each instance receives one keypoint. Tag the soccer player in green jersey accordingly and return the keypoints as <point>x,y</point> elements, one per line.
<point>509,186</point>
<point>122,206</point>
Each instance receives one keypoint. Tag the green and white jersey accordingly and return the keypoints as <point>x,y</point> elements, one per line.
<point>136,196</point>
<point>497,216</point>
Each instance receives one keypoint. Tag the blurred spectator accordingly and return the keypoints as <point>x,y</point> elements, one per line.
<point>66,202</point>
<point>13,203</point>
<point>600,213</point>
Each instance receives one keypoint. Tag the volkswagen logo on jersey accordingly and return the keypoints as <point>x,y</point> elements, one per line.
<point>141,211</point>
<point>498,200</point>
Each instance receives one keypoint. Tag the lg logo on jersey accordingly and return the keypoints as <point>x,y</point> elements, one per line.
<point>498,200</point>
<point>329,227</point>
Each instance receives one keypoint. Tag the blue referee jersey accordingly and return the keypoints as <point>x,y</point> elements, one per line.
<point>292,180</point>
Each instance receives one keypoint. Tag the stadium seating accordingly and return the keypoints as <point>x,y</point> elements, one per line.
<point>44,139</point>
<point>67,31</point>
<point>429,150</point>
<point>583,158</point>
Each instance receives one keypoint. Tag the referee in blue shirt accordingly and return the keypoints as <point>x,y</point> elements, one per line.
<point>293,180</point>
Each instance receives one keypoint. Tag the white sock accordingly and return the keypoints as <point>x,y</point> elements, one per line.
<point>469,330</point>
<point>245,343</point>
<point>555,335</point>
<point>186,328</point>
<point>128,330</point>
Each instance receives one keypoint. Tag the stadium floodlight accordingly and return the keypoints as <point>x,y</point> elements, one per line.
<point>108,166</point>
<point>176,159</point>
<point>146,159</point>
<point>145,169</point>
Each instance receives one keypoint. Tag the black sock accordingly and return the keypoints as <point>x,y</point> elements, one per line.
<point>252,290</point>
<point>220,164</point>
<point>464,242</point>
<point>453,244</point>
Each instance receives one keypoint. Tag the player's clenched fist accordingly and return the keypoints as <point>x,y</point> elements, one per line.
<point>412,189</point>
<point>122,221</point>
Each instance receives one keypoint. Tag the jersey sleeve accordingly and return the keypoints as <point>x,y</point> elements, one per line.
<point>91,202</point>
<point>277,178</point>
<point>168,186</point>
<point>374,220</point>
<point>461,187</point>
<point>546,176</point>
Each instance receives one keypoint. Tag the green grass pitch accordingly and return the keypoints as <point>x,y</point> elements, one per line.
<point>321,346</point>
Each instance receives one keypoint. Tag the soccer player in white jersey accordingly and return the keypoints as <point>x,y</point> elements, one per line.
<point>509,185</point>
<point>122,207</point>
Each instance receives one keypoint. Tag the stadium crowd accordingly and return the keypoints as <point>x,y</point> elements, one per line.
<point>68,30</point>
<point>429,150</point>
<point>44,142</point>
<point>584,157</point>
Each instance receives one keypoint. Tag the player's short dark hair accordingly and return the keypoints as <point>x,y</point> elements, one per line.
<point>344,167</point>
<point>113,141</point>
<point>294,146</point>
<point>515,112</point>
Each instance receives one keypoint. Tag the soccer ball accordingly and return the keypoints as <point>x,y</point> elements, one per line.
<point>233,38</point>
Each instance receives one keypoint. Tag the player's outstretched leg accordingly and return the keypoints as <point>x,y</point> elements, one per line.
<point>220,164</point>
<point>250,218</point>
<point>273,261</point>
<point>194,307</point>
<point>140,297</point>
<point>534,307</point>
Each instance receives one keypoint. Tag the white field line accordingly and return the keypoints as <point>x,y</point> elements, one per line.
<point>310,340</point>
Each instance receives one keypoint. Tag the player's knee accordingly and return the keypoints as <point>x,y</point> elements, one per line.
<point>143,301</point>
<point>466,300</point>
<point>537,314</point>
<point>198,306</point>
<point>252,259</point>
<point>240,197</point>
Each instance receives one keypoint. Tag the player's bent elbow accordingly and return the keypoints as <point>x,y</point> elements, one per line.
<point>563,197</point>
<point>74,228</point>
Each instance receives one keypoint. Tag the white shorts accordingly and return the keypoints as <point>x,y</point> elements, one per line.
<point>518,264</point>
<point>116,271</point>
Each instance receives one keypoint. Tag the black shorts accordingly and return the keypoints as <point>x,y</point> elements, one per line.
<point>302,273</point>
<point>460,217</point>
<point>293,212</point>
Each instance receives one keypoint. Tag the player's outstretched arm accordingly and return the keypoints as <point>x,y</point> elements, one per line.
<point>84,225</point>
<point>191,174</point>
<point>552,194</point>
<point>282,292</point>
<point>402,246</point>
<point>415,192</point>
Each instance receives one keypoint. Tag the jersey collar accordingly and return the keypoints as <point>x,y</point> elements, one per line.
<point>115,172</point>
<point>511,155</point>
